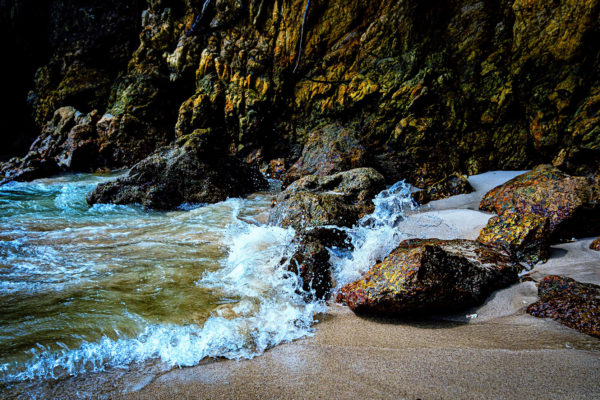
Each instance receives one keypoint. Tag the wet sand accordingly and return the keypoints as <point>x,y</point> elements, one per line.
<point>501,353</point>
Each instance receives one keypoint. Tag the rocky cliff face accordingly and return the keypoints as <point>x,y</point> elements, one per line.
<point>426,88</point>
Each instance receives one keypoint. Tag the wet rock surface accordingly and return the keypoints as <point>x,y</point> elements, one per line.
<point>451,186</point>
<point>328,150</point>
<point>525,237</point>
<point>180,174</point>
<point>572,303</point>
<point>430,276</point>
<point>428,91</point>
<point>571,203</point>
<point>67,142</point>
<point>340,199</point>
<point>311,259</point>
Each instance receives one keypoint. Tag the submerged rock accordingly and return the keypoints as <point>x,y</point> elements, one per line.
<point>452,186</point>
<point>328,150</point>
<point>525,237</point>
<point>430,276</point>
<point>574,304</point>
<point>571,203</point>
<point>180,173</point>
<point>311,259</point>
<point>340,199</point>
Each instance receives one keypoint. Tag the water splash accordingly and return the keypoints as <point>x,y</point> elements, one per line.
<point>259,304</point>
<point>375,235</point>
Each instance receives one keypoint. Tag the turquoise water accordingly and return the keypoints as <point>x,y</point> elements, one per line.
<point>84,288</point>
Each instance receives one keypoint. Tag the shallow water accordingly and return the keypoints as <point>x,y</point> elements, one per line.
<point>86,289</point>
<point>82,288</point>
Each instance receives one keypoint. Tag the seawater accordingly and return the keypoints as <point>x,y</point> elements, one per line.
<point>85,289</point>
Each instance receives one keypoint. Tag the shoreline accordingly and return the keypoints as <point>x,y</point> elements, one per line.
<point>501,353</point>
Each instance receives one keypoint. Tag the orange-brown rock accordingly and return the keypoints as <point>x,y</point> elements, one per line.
<point>571,203</point>
<point>595,245</point>
<point>430,276</point>
<point>572,303</point>
<point>525,237</point>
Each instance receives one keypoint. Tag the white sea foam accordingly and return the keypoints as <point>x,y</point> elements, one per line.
<point>270,311</point>
<point>375,235</point>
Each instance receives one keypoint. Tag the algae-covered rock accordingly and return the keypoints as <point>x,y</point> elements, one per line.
<point>340,199</point>
<point>571,203</point>
<point>180,174</point>
<point>328,150</point>
<point>595,245</point>
<point>310,261</point>
<point>451,186</point>
<point>430,276</point>
<point>525,237</point>
<point>572,303</point>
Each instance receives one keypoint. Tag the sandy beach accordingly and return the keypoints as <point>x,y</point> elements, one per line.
<point>501,353</point>
<point>492,351</point>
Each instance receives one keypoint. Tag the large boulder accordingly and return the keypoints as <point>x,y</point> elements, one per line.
<point>571,203</point>
<point>67,142</point>
<point>310,260</point>
<point>574,304</point>
<point>328,150</point>
<point>340,199</point>
<point>430,276</point>
<point>525,237</point>
<point>181,173</point>
<point>450,186</point>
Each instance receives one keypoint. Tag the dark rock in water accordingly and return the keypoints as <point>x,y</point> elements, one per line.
<point>571,203</point>
<point>525,237</point>
<point>311,259</point>
<point>430,276</point>
<point>574,304</point>
<point>456,184</point>
<point>329,149</point>
<point>340,199</point>
<point>595,245</point>
<point>178,174</point>
<point>67,142</point>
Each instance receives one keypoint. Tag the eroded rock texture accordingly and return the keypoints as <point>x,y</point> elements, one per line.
<point>572,303</point>
<point>181,173</point>
<point>311,262</point>
<point>525,237</point>
<point>430,276</point>
<point>571,203</point>
<point>425,88</point>
<point>340,199</point>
